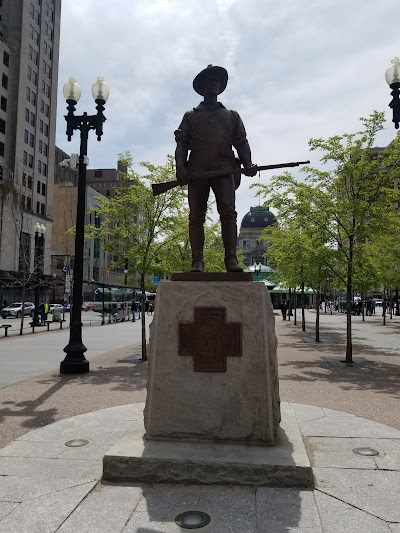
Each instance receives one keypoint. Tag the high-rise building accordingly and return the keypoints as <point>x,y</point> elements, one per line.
<point>105,180</point>
<point>29,52</point>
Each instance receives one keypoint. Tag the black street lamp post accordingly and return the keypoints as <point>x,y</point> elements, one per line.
<point>392,76</point>
<point>75,361</point>
<point>40,231</point>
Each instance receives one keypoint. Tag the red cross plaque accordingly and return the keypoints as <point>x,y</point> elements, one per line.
<point>209,339</point>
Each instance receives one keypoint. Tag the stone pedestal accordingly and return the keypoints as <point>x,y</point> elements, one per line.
<point>212,364</point>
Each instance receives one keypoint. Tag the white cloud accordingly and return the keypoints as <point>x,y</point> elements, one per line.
<point>296,70</point>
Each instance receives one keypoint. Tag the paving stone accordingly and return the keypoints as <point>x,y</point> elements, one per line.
<point>394,528</point>
<point>46,513</point>
<point>49,468</point>
<point>305,413</point>
<point>97,429</point>
<point>19,489</point>
<point>6,508</point>
<point>337,516</point>
<point>347,427</point>
<point>373,491</point>
<point>90,452</point>
<point>390,462</point>
<point>286,509</point>
<point>341,460</point>
<point>232,509</point>
<point>339,444</point>
<point>107,508</point>
<point>21,448</point>
<point>388,445</point>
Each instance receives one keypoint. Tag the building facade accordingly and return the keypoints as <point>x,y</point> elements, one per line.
<point>249,242</point>
<point>29,52</point>
<point>105,180</point>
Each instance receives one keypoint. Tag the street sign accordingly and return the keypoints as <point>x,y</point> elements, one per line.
<point>65,269</point>
<point>155,280</point>
<point>97,291</point>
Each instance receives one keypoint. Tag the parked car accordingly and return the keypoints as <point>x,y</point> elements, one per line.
<point>88,306</point>
<point>15,310</point>
<point>57,307</point>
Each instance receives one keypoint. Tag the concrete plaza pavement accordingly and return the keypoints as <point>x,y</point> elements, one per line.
<point>45,486</point>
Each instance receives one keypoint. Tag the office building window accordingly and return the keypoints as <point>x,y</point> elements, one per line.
<point>31,31</point>
<point>32,10</point>
<point>46,9</point>
<point>37,207</point>
<point>44,172</point>
<point>43,86</point>
<point>47,110</point>
<point>2,149</point>
<point>45,149</point>
<point>33,119</point>
<point>31,140</point>
<point>40,146</point>
<point>50,34</point>
<point>30,182</point>
<point>34,78</point>
<point>48,71</point>
<point>30,52</point>
<point>33,98</point>
<point>3,103</point>
<point>98,173</point>
<point>48,90</point>
<point>46,28</point>
<point>26,136</point>
<point>28,94</point>
<point>36,37</point>
<point>44,66</point>
<point>24,179</point>
<point>30,161</point>
<point>25,158</point>
<point>43,189</point>
<point>46,130</point>
<point>42,209</point>
<point>6,58</point>
<point>42,106</point>
<point>23,201</point>
<point>27,114</point>
<point>29,74</point>
<point>37,17</point>
<point>4,81</point>
<point>2,126</point>
<point>29,203</point>
<point>35,58</point>
<point>41,124</point>
<point>39,167</point>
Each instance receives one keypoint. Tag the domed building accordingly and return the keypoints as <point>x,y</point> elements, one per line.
<point>249,242</point>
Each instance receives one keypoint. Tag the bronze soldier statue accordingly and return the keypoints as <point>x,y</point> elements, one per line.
<point>208,132</point>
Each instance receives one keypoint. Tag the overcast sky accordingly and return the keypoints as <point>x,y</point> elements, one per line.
<point>296,70</point>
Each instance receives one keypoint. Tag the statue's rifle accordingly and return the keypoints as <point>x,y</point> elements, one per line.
<point>160,188</point>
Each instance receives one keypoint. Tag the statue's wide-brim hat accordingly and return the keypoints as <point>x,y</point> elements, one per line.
<point>219,72</point>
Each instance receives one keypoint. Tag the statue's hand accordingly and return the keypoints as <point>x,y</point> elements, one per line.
<point>250,170</point>
<point>182,176</point>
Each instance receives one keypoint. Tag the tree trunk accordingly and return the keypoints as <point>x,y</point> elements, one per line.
<point>362,306</point>
<point>143,308</point>
<point>391,305</point>
<point>303,316</point>
<point>317,317</point>
<point>295,306</point>
<point>21,329</point>
<point>289,311</point>
<point>384,308</point>
<point>349,344</point>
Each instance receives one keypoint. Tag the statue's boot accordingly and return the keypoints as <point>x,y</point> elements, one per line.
<point>196,235</point>
<point>229,237</point>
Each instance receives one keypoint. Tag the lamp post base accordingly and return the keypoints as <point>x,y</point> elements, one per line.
<point>75,361</point>
<point>74,366</point>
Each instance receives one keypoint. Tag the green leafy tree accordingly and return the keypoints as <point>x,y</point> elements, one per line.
<point>135,226</point>
<point>347,201</point>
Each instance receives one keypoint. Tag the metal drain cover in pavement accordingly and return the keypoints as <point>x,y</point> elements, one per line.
<point>192,520</point>
<point>76,443</point>
<point>369,452</point>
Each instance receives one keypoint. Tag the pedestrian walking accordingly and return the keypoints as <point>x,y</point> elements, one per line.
<point>133,307</point>
<point>284,308</point>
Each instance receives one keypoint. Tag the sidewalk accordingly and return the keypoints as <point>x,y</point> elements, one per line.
<point>353,493</point>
